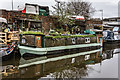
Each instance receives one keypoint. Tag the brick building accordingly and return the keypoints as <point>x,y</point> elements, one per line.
<point>26,21</point>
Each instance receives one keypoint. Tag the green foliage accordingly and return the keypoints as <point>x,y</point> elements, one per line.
<point>63,17</point>
<point>36,17</point>
<point>31,32</point>
<point>71,36</point>
<point>54,34</point>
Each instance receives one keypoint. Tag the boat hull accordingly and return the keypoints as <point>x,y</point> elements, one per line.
<point>111,41</point>
<point>6,53</point>
<point>44,51</point>
<point>7,57</point>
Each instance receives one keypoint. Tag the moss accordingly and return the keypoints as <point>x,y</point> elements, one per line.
<point>83,35</point>
<point>72,36</point>
<point>31,32</point>
<point>54,34</point>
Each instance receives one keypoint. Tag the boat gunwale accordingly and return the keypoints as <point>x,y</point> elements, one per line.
<point>59,47</point>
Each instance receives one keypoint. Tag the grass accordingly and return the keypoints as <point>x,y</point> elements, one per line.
<point>57,36</point>
<point>72,36</point>
<point>31,32</point>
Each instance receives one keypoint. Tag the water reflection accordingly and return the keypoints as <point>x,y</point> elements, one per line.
<point>64,66</point>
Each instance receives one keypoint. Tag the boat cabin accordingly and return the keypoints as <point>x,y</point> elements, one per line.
<point>33,39</point>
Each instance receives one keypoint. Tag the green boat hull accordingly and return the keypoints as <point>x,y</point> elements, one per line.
<point>43,51</point>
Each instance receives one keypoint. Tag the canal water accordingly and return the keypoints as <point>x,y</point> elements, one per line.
<point>100,63</point>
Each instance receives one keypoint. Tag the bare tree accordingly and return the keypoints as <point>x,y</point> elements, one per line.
<point>80,8</point>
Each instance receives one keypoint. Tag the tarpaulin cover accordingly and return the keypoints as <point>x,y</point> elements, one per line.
<point>89,32</point>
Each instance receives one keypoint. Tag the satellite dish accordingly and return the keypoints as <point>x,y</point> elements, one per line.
<point>21,7</point>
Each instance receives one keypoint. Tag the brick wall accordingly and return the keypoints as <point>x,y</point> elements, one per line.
<point>12,16</point>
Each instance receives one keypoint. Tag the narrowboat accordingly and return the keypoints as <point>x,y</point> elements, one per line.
<point>112,35</point>
<point>39,44</point>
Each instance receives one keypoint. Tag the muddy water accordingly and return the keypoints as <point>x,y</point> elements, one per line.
<point>100,63</point>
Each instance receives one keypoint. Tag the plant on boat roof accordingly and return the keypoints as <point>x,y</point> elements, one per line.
<point>32,32</point>
<point>71,36</point>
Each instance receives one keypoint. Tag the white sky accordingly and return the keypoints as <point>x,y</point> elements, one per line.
<point>110,7</point>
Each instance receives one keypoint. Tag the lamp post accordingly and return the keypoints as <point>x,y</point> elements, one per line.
<point>100,11</point>
<point>101,14</point>
<point>102,17</point>
<point>13,23</point>
<point>12,4</point>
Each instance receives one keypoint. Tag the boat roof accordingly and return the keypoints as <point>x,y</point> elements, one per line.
<point>114,23</point>
<point>108,26</point>
<point>3,20</point>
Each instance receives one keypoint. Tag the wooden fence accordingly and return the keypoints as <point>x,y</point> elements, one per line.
<point>8,37</point>
<point>3,38</point>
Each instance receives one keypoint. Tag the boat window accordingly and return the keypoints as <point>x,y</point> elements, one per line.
<point>87,40</point>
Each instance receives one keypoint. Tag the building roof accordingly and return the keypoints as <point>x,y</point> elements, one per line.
<point>107,26</point>
<point>35,5</point>
<point>113,18</point>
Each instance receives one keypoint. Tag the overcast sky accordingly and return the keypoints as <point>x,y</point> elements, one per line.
<point>110,7</point>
